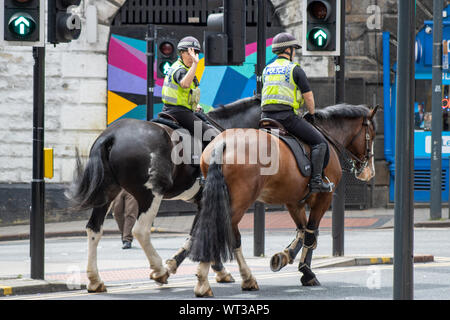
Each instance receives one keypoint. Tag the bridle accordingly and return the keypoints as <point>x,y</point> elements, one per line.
<point>364,162</point>
<point>357,164</point>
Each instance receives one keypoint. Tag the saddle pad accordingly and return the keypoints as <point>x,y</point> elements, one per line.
<point>297,148</point>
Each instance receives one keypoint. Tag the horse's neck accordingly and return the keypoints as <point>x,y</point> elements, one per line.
<point>341,131</point>
<point>238,116</point>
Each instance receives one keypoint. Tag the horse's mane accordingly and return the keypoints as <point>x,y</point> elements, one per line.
<point>236,107</point>
<point>342,111</point>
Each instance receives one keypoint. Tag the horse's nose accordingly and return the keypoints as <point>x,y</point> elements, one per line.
<point>367,174</point>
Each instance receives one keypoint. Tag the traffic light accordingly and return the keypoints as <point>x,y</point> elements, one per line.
<point>225,38</point>
<point>321,27</point>
<point>63,24</point>
<point>22,22</point>
<point>166,55</point>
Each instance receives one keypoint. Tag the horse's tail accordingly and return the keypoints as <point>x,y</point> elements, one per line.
<point>212,235</point>
<point>88,189</point>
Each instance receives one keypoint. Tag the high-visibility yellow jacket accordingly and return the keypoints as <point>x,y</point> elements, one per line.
<point>279,86</point>
<point>172,92</point>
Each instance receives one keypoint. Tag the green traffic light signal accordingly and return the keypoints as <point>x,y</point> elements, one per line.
<point>319,37</point>
<point>21,24</point>
<point>164,67</point>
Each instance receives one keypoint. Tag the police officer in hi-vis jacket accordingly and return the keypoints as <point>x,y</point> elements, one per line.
<point>285,90</point>
<point>181,92</point>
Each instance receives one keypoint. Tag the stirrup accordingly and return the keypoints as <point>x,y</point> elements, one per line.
<point>330,187</point>
<point>331,184</point>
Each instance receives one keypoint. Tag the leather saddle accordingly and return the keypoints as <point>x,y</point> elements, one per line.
<point>296,146</point>
<point>168,120</point>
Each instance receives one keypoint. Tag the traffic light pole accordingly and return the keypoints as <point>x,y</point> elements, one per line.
<point>338,207</point>
<point>436,111</point>
<point>259,214</point>
<point>37,219</point>
<point>150,63</point>
<point>404,154</point>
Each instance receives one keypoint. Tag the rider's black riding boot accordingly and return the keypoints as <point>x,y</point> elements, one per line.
<point>317,159</point>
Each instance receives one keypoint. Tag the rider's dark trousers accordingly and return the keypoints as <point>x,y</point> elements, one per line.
<point>186,118</point>
<point>297,126</point>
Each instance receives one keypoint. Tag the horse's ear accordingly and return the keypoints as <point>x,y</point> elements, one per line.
<point>374,111</point>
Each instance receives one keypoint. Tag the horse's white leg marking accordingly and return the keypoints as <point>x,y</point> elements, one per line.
<point>92,270</point>
<point>141,231</point>
<point>246,274</point>
<point>202,288</point>
<point>248,281</point>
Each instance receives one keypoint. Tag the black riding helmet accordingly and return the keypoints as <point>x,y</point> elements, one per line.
<point>283,41</point>
<point>189,42</point>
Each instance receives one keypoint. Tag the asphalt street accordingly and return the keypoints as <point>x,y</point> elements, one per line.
<point>125,272</point>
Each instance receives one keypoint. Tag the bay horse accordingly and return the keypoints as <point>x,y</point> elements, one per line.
<point>232,186</point>
<point>137,156</point>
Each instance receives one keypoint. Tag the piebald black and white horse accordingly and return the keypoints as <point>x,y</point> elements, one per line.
<point>136,155</point>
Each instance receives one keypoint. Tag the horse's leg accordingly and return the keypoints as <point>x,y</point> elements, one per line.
<point>318,208</point>
<point>222,275</point>
<point>94,231</point>
<point>281,259</point>
<point>141,231</point>
<point>248,280</point>
<point>175,261</point>
<point>202,288</point>
<point>310,243</point>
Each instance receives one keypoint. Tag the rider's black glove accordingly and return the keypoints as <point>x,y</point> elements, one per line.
<point>309,117</point>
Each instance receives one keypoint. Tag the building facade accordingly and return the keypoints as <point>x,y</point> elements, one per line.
<point>76,96</point>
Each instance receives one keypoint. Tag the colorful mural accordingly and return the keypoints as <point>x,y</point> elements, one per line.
<point>127,79</point>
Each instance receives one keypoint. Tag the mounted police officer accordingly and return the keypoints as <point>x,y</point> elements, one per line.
<point>181,92</point>
<point>286,89</point>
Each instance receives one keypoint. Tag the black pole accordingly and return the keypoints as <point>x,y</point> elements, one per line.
<point>404,153</point>
<point>150,63</point>
<point>37,218</point>
<point>259,215</point>
<point>338,206</point>
<point>436,111</point>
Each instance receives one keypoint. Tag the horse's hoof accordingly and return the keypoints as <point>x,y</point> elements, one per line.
<point>206,294</point>
<point>96,289</point>
<point>278,261</point>
<point>228,278</point>
<point>160,279</point>
<point>250,285</point>
<point>171,265</point>
<point>310,282</point>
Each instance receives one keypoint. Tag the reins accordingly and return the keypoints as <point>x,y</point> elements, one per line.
<point>342,150</point>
